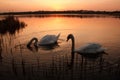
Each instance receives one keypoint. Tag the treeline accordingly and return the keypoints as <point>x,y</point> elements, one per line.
<point>64,12</point>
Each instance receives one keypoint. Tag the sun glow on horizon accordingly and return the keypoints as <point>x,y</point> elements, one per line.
<point>56,7</point>
<point>33,5</point>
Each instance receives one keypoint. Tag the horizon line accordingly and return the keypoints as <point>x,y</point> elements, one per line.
<point>61,11</point>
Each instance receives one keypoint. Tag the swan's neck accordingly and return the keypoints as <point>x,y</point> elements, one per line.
<point>72,50</point>
<point>33,39</point>
<point>73,44</point>
<point>70,36</point>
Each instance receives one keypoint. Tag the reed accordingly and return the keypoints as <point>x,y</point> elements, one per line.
<point>61,67</point>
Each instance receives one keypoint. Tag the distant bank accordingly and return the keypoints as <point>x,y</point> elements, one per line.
<point>63,12</point>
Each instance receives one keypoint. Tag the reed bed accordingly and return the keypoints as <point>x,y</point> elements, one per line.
<point>61,67</point>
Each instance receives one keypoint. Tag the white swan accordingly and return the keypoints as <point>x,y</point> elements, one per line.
<point>45,41</point>
<point>90,48</point>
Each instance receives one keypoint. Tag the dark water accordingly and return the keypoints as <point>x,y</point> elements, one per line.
<point>19,62</point>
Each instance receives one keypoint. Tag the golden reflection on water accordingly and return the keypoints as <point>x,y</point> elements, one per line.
<point>86,30</point>
<point>99,30</point>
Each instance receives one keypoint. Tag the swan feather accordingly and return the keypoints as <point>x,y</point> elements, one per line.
<point>90,48</point>
<point>48,39</point>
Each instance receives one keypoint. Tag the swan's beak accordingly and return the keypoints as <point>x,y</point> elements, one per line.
<point>105,53</point>
<point>67,40</point>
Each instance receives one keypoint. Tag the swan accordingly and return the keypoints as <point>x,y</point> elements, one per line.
<point>45,41</point>
<point>87,49</point>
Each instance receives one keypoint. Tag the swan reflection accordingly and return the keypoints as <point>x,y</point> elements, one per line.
<point>35,48</point>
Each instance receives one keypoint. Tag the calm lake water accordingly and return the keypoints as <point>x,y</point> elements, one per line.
<point>19,61</point>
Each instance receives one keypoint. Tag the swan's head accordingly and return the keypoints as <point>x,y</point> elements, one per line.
<point>70,36</point>
<point>30,42</point>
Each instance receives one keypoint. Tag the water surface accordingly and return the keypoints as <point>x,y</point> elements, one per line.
<point>15,54</point>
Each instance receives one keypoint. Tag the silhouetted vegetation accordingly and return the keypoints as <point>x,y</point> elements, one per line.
<point>117,13</point>
<point>11,24</point>
<point>0,50</point>
<point>69,13</point>
<point>60,67</point>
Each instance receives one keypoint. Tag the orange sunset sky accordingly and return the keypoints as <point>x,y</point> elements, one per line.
<point>33,5</point>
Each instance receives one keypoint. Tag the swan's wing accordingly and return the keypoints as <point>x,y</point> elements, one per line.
<point>82,49</point>
<point>89,48</point>
<point>86,50</point>
<point>93,46</point>
<point>48,39</point>
<point>101,49</point>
